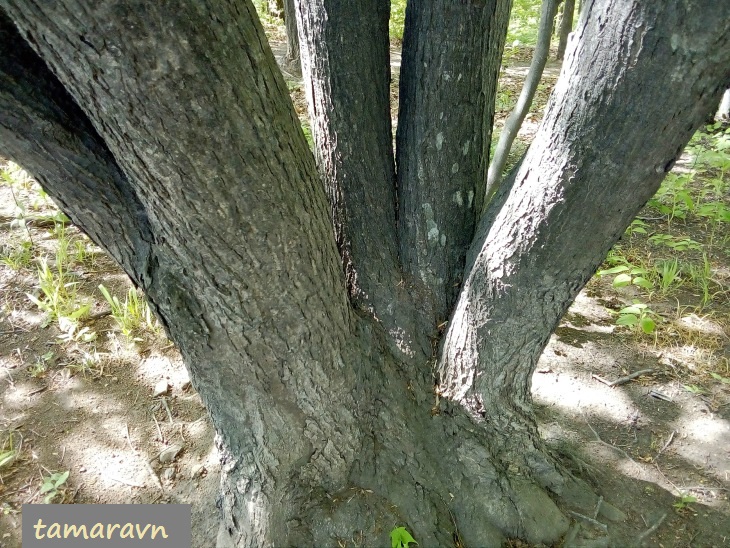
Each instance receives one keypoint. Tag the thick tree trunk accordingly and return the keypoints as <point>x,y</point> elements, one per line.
<point>345,60</point>
<point>328,421</point>
<point>584,178</point>
<point>451,56</point>
<point>243,270</point>
<point>566,26</point>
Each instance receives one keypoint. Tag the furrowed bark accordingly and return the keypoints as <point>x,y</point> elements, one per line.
<point>245,273</point>
<point>345,61</point>
<point>584,178</point>
<point>450,63</point>
<point>44,130</point>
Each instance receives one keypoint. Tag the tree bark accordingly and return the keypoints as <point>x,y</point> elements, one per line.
<point>243,272</point>
<point>566,26</point>
<point>444,131</point>
<point>330,431</point>
<point>292,37</point>
<point>517,116</point>
<point>584,179</point>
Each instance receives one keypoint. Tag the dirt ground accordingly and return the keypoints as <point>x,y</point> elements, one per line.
<point>121,418</point>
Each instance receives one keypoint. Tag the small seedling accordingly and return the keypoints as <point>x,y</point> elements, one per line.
<point>638,316</point>
<point>8,454</point>
<point>684,501</point>
<point>133,315</point>
<point>628,275</point>
<point>677,244</point>
<point>52,486</point>
<point>39,368</point>
<point>669,276</point>
<point>694,388</point>
<point>401,538</point>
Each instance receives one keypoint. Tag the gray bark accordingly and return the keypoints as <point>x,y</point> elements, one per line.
<point>451,55</point>
<point>186,135</point>
<point>583,180</point>
<point>243,270</point>
<point>292,37</point>
<point>566,26</point>
<point>524,101</point>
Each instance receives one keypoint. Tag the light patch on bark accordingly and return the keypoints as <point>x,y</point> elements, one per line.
<point>439,141</point>
<point>455,168</point>
<point>457,198</point>
<point>465,148</point>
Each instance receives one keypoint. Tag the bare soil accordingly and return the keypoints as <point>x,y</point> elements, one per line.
<point>656,446</point>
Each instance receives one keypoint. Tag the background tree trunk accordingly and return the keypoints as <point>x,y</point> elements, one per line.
<point>723,111</point>
<point>566,26</point>
<point>292,59</point>
<point>524,101</point>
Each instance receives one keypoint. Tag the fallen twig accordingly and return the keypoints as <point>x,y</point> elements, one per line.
<point>623,380</point>
<point>125,482</point>
<point>147,465</point>
<point>598,507</point>
<point>167,408</point>
<point>602,526</point>
<point>599,440</point>
<point>671,437</point>
<point>650,530</point>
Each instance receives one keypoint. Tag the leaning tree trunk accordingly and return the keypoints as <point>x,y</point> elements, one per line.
<point>584,179</point>
<point>325,411</point>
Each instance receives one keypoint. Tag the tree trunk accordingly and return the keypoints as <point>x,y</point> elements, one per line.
<point>723,111</point>
<point>292,37</point>
<point>275,8</point>
<point>584,179</point>
<point>566,25</point>
<point>188,152</point>
<point>444,131</point>
<point>517,116</point>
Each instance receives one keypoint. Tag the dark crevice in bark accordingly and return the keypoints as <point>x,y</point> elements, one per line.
<point>451,54</point>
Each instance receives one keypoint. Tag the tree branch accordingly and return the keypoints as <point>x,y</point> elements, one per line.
<point>44,130</point>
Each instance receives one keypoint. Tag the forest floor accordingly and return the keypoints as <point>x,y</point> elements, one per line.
<point>100,410</point>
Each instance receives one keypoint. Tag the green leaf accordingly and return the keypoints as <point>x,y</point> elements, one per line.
<point>627,319</point>
<point>613,270</point>
<point>401,538</point>
<point>621,280</point>
<point>647,325</point>
<point>633,309</point>
<point>61,478</point>
<point>643,282</point>
<point>723,380</point>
